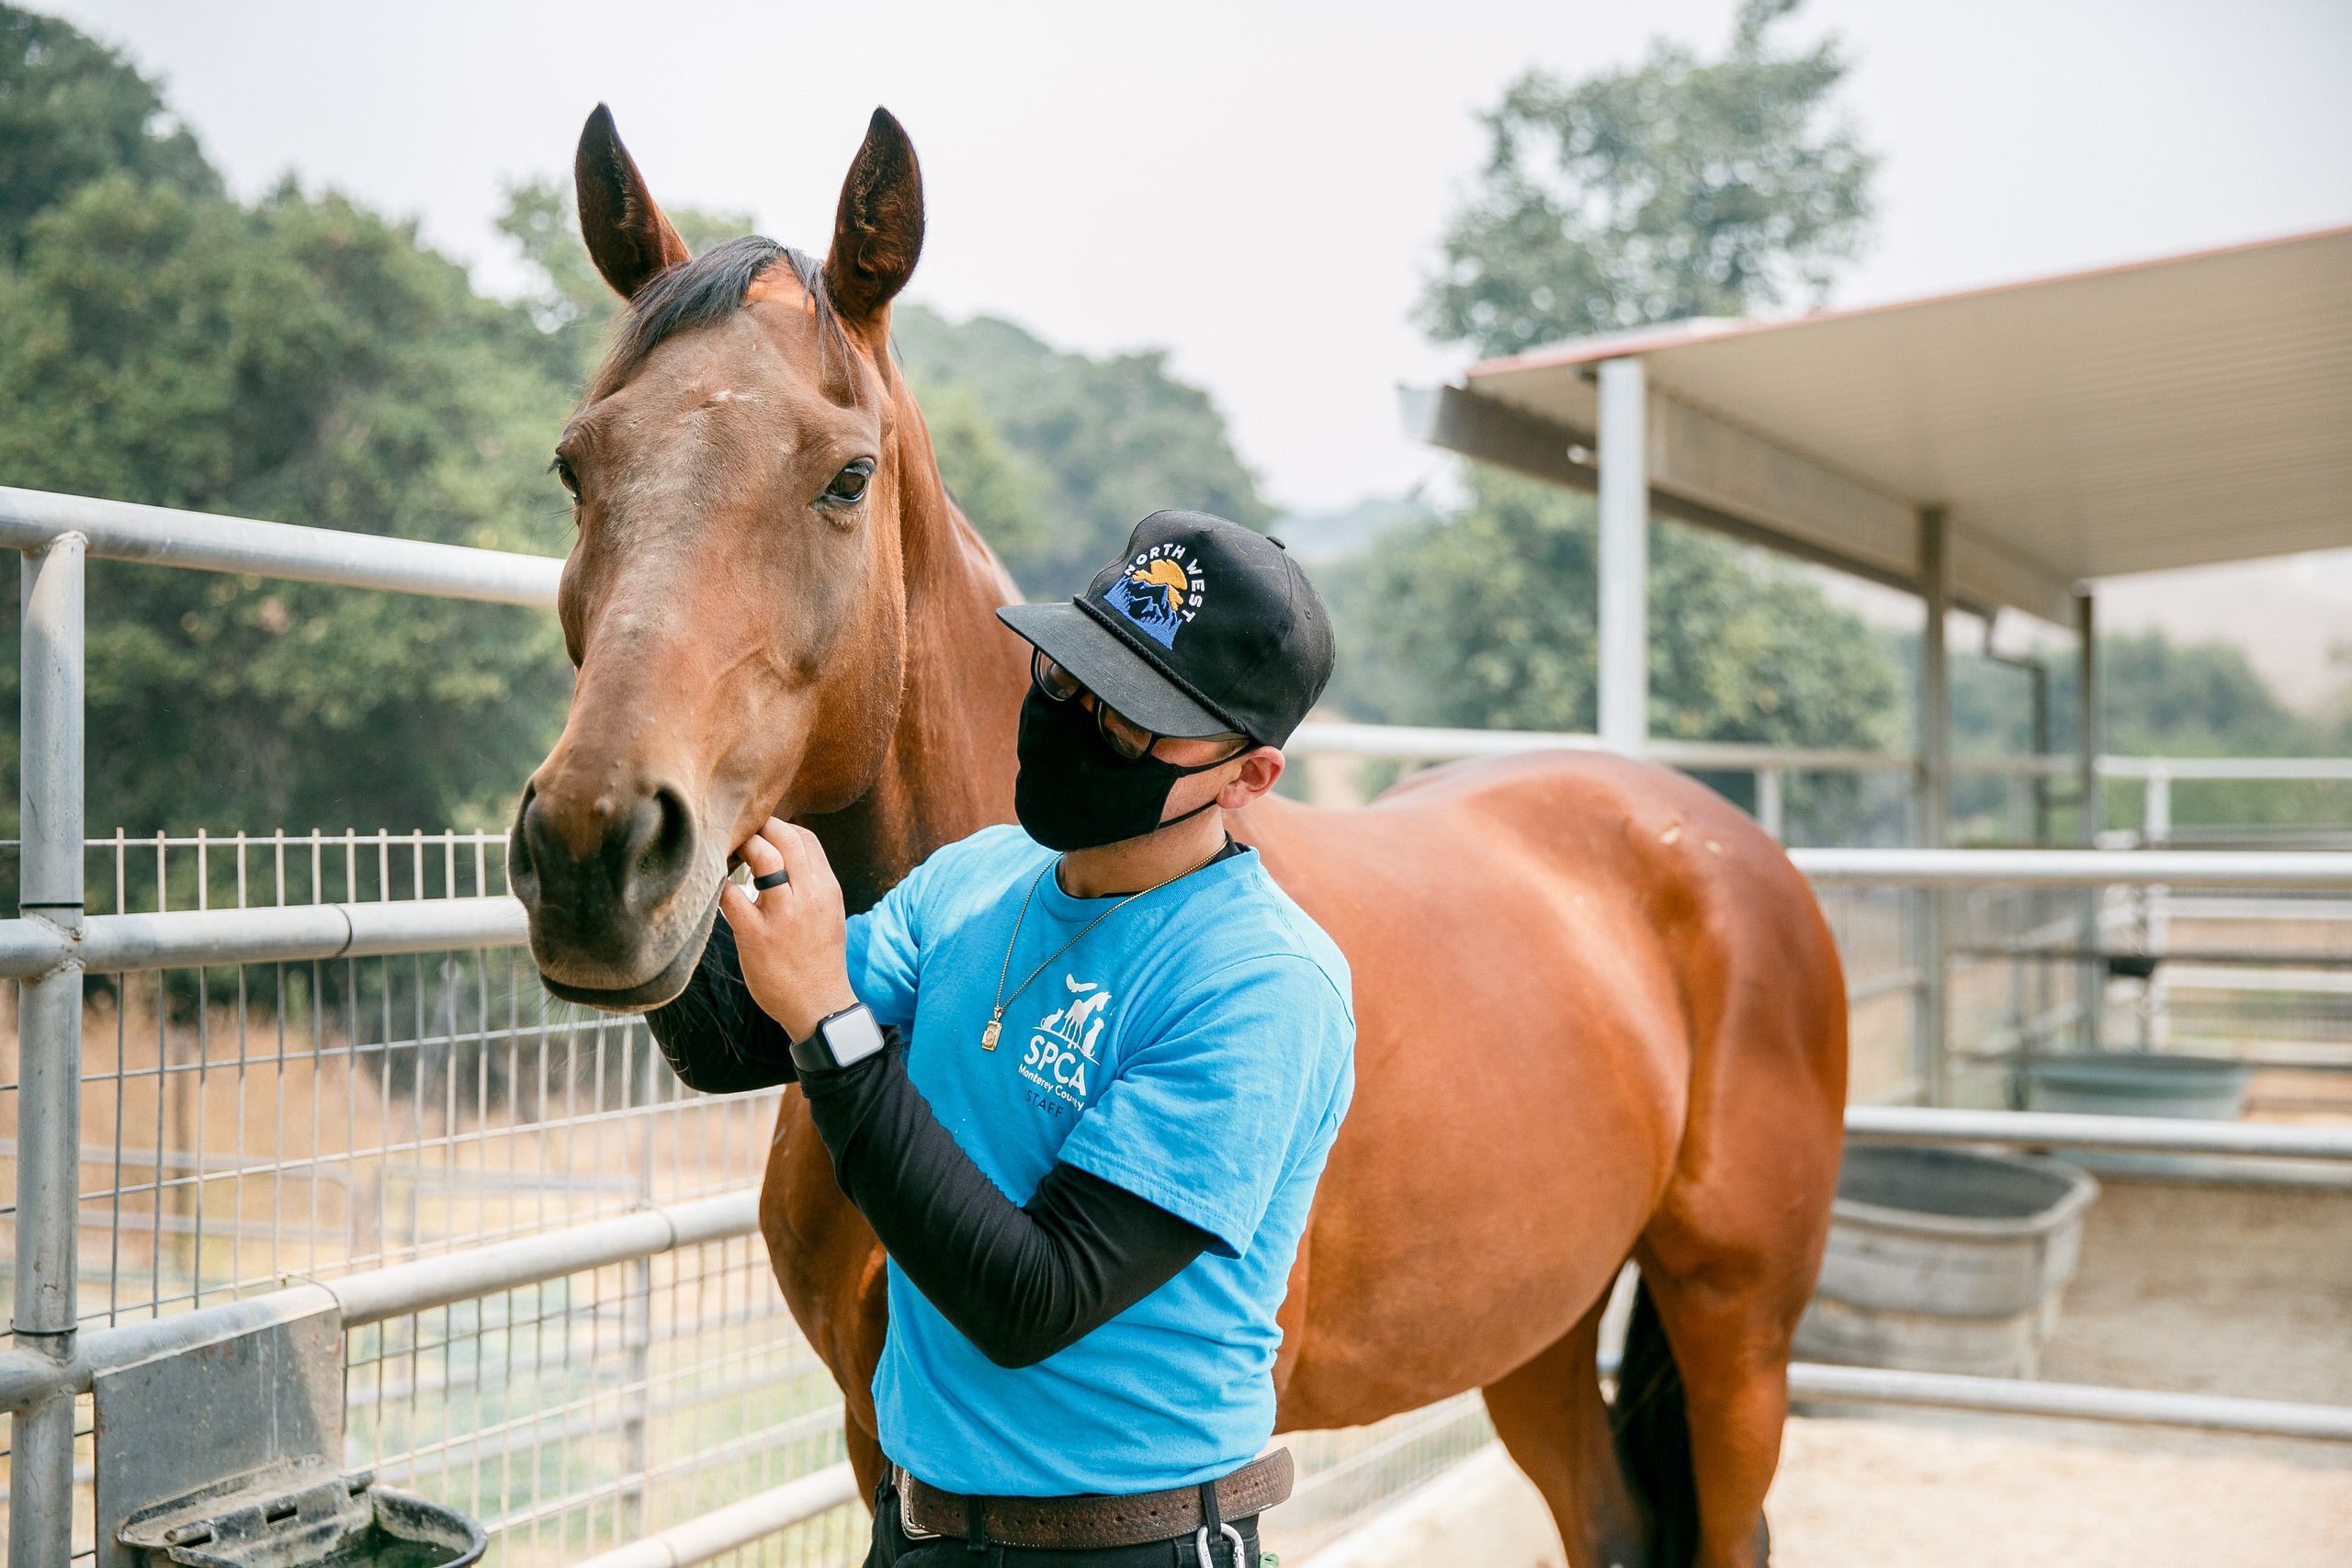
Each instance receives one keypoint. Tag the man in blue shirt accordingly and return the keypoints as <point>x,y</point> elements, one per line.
<point>1082,1075</point>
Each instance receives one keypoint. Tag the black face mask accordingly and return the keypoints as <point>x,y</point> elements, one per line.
<point>1074,793</point>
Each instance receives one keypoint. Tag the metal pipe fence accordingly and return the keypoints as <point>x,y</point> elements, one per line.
<point>247,1063</point>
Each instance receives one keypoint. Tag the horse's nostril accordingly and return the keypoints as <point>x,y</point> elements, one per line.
<point>615,854</point>
<point>660,844</point>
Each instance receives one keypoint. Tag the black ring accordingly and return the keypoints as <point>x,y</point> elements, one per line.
<point>773,879</point>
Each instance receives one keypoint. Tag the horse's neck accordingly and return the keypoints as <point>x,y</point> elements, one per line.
<point>949,769</point>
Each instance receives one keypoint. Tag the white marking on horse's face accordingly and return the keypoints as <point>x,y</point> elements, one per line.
<point>1671,834</point>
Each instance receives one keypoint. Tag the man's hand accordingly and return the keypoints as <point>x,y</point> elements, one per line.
<point>790,943</point>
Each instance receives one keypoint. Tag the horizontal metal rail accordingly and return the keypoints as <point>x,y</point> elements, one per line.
<point>2071,1402</point>
<point>379,1294</point>
<point>709,1536</point>
<point>2065,1130</point>
<point>1429,743</point>
<point>119,530</point>
<point>713,1535</point>
<point>2315,869</point>
<point>117,944</point>
<point>288,934</point>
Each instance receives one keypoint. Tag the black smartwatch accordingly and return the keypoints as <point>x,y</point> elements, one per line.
<point>839,1039</point>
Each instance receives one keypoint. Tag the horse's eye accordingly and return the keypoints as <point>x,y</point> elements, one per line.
<point>561,468</point>
<point>849,485</point>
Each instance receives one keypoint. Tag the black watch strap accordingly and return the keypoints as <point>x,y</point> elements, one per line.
<point>839,1040</point>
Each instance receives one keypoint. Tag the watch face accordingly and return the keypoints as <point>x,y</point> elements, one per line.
<point>851,1036</point>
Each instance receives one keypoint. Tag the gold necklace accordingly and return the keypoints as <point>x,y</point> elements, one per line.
<point>996,1011</point>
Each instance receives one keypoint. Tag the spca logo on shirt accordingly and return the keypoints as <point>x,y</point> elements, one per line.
<point>1063,1048</point>
<point>1161,592</point>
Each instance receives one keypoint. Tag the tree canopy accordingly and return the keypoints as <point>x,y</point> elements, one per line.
<point>305,360</point>
<point>1085,447</point>
<point>73,110</point>
<point>299,359</point>
<point>1680,187</point>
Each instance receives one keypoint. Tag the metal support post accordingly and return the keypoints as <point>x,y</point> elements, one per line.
<point>2155,923</point>
<point>1624,681</point>
<point>49,1012</point>
<point>1771,802</point>
<point>1930,1022</point>
<point>2088,740</point>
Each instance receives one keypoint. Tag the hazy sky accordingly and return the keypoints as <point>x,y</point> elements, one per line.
<point>1259,187</point>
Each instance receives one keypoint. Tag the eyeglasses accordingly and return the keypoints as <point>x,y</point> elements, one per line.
<point>1122,734</point>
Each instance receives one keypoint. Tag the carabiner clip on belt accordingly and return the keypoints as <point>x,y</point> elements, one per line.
<point>1211,1519</point>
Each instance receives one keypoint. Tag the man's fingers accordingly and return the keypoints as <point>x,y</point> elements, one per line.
<point>803,855</point>
<point>760,855</point>
<point>796,848</point>
<point>736,907</point>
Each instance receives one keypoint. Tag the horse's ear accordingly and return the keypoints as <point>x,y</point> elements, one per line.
<point>628,238</point>
<point>878,233</point>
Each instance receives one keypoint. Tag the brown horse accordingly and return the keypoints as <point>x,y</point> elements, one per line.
<point>1601,1016</point>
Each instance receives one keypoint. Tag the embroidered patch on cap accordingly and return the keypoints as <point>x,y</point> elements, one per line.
<point>1161,592</point>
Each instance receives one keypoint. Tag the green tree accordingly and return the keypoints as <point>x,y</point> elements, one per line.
<point>307,362</point>
<point>571,300</point>
<point>1678,189</point>
<point>301,360</point>
<point>1100,442</point>
<point>1489,620</point>
<point>73,110</point>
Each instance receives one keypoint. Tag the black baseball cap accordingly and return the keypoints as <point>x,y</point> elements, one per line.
<point>1200,627</point>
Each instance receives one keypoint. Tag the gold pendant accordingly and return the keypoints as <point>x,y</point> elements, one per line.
<point>988,1035</point>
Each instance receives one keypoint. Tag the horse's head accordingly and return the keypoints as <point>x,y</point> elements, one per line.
<point>734,600</point>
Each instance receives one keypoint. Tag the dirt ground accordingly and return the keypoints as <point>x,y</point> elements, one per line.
<point>2205,1288</point>
<point>2212,1289</point>
<point>1945,1495</point>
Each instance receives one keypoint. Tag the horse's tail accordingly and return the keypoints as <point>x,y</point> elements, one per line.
<point>1651,1425</point>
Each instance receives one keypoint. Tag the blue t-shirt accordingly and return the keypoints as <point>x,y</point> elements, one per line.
<point>1196,1049</point>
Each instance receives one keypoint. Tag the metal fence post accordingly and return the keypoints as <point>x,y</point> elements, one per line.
<point>2155,924</point>
<point>1931,1015</point>
<point>49,1012</point>
<point>1771,802</point>
<point>2089,741</point>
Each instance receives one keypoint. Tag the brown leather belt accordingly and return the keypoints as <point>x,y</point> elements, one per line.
<point>1092,1521</point>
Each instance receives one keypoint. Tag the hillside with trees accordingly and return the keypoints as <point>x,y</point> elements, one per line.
<point>303,359</point>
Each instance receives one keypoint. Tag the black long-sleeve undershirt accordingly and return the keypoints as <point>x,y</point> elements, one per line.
<point>1020,1283</point>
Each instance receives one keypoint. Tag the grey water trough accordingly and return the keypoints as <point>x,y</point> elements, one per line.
<point>2139,1084</point>
<point>1946,1260</point>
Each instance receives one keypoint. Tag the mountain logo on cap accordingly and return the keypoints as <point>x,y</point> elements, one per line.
<point>1161,592</point>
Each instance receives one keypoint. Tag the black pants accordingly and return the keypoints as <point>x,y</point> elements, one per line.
<point>892,1549</point>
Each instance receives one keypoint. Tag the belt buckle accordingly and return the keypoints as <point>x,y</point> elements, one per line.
<point>906,1525</point>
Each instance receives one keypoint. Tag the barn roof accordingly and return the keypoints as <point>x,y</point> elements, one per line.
<point>2180,412</point>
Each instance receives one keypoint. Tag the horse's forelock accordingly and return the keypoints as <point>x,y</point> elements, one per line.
<point>714,285</point>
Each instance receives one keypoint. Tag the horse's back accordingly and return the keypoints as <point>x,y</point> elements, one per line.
<point>1528,939</point>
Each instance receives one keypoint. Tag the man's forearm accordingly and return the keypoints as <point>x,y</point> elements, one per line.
<point>1020,1282</point>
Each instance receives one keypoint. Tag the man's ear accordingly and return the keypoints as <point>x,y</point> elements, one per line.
<point>877,230</point>
<point>628,239</point>
<point>1260,766</point>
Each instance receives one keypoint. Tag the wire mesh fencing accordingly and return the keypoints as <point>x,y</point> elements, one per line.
<point>248,1126</point>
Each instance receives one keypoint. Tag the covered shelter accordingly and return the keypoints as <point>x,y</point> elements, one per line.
<point>1997,449</point>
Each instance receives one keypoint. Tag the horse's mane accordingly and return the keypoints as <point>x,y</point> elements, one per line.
<point>697,292</point>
